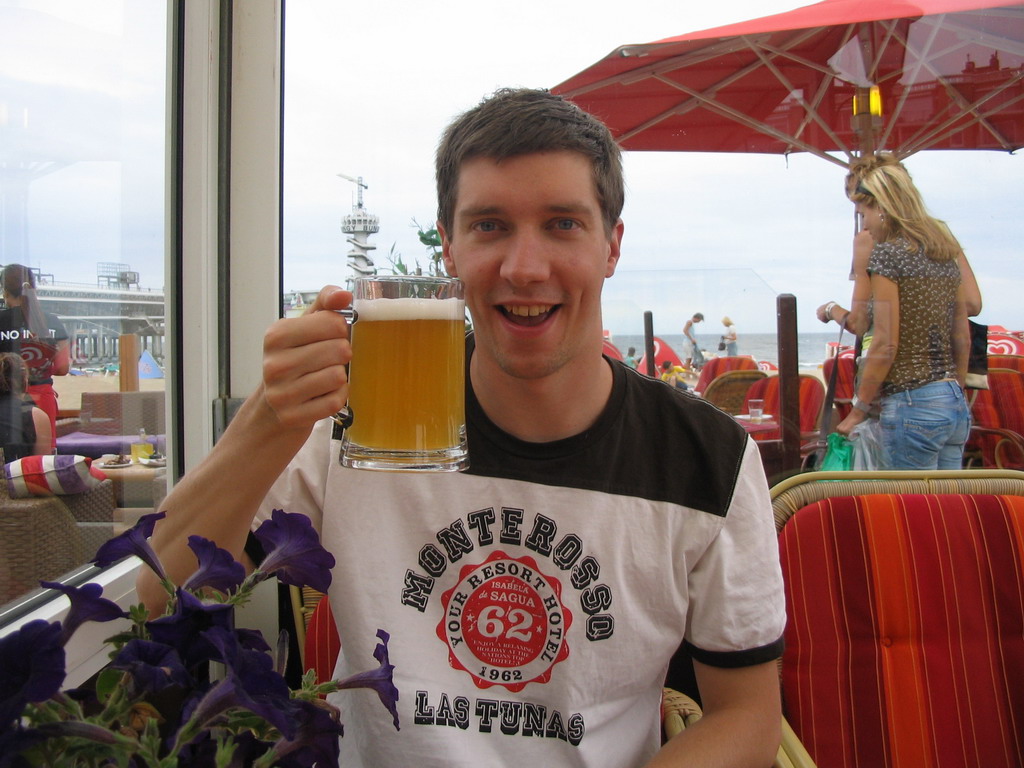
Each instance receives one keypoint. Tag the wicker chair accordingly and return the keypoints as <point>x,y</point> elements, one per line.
<point>44,537</point>
<point>728,390</point>
<point>118,413</point>
<point>716,366</point>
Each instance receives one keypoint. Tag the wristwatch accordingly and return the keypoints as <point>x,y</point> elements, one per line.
<point>860,405</point>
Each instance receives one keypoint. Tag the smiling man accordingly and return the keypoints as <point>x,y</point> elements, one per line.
<point>534,601</point>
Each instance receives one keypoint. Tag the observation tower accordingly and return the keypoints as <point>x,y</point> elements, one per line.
<point>359,225</point>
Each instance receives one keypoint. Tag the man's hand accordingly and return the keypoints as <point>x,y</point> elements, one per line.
<point>304,361</point>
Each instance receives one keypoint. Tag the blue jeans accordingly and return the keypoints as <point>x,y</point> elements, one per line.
<point>925,428</point>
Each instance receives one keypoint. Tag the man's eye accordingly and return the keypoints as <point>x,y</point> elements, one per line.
<point>485,226</point>
<point>565,224</point>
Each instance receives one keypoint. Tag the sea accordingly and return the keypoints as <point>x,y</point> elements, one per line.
<point>760,346</point>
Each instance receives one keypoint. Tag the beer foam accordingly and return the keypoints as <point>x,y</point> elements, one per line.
<point>409,309</point>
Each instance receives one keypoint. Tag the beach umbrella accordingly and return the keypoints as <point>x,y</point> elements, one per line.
<point>838,79</point>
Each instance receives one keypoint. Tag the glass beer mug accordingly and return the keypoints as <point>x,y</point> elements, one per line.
<point>406,405</point>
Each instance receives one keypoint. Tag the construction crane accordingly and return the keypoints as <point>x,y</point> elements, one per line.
<point>359,185</point>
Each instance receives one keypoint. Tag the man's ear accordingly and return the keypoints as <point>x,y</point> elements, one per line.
<point>615,248</point>
<point>446,251</point>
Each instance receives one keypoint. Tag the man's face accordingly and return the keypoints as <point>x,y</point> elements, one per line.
<point>530,245</point>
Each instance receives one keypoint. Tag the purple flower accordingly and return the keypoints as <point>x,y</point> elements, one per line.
<point>252,639</point>
<point>87,604</point>
<point>184,628</point>
<point>268,692</point>
<point>316,740</point>
<point>15,741</point>
<point>133,542</point>
<point>381,679</point>
<point>153,666</point>
<point>294,552</point>
<point>230,693</point>
<point>217,568</point>
<point>32,669</point>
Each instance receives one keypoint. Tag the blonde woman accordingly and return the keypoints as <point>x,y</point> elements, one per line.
<point>917,361</point>
<point>730,338</point>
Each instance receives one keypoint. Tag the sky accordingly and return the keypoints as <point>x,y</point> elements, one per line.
<point>721,234</point>
<point>370,87</point>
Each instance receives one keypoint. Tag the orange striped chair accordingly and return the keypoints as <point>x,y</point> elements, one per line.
<point>997,432</point>
<point>905,639</point>
<point>1010,362</point>
<point>716,366</point>
<point>812,398</point>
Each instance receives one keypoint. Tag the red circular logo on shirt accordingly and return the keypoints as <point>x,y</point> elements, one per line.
<point>504,622</point>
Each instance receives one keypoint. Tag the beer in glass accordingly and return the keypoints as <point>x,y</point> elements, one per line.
<point>406,406</point>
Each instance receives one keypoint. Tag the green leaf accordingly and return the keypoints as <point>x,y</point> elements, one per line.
<point>107,684</point>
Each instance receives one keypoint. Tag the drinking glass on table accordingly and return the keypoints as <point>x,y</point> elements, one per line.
<point>406,404</point>
<point>756,410</point>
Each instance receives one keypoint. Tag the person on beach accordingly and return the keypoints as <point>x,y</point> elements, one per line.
<point>916,364</point>
<point>689,340</point>
<point>577,552</point>
<point>631,357</point>
<point>730,338</point>
<point>673,374</point>
<point>39,337</point>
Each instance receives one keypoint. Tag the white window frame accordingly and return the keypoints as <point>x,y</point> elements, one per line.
<point>200,256</point>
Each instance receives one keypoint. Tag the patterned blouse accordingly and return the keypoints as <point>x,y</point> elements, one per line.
<point>927,291</point>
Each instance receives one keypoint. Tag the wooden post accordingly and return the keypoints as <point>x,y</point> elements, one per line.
<point>789,381</point>
<point>128,348</point>
<point>652,366</point>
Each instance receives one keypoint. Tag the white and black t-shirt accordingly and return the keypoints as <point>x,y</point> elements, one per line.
<point>534,601</point>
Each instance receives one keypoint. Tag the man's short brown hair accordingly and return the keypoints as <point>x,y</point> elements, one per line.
<point>514,122</point>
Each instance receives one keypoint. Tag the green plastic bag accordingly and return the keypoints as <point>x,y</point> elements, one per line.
<point>838,455</point>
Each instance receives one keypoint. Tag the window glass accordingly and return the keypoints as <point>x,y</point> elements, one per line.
<point>82,137</point>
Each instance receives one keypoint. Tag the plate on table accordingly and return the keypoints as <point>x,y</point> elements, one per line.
<point>153,462</point>
<point>746,417</point>
<point>112,464</point>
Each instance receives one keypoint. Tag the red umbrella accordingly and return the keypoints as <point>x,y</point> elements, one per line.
<point>949,74</point>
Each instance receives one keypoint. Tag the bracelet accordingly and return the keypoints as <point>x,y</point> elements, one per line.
<point>860,405</point>
<point>828,309</point>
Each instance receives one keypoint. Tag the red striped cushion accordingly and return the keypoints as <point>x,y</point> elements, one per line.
<point>905,642</point>
<point>322,642</point>
<point>46,475</point>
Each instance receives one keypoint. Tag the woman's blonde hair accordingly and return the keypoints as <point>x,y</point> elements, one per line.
<point>883,182</point>
<point>726,320</point>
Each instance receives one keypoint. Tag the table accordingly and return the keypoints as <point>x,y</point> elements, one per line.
<point>95,446</point>
<point>134,485</point>
<point>753,428</point>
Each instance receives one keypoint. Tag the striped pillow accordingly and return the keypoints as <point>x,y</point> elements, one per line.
<point>51,476</point>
